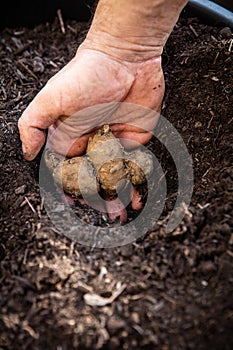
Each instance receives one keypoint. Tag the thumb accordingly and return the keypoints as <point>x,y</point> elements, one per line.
<point>37,117</point>
<point>32,139</point>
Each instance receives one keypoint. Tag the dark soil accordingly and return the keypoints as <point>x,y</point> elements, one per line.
<point>177,288</point>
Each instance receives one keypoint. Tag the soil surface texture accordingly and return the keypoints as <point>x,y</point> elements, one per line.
<point>163,291</point>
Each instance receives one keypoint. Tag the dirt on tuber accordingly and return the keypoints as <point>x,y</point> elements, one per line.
<point>106,166</point>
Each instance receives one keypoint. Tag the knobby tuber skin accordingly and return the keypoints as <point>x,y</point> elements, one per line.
<point>106,166</point>
<point>106,154</point>
<point>65,173</point>
<point>140,166</point>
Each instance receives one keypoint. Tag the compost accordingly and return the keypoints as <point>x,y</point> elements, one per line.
<point>163,291</point>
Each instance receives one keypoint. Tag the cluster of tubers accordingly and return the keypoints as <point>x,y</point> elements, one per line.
<point>106,166</point>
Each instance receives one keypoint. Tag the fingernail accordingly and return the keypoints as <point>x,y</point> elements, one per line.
<point>28,155</point>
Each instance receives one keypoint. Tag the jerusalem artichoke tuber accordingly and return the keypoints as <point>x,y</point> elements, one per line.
<point>104,166</point>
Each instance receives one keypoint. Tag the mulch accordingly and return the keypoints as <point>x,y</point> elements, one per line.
<point>166,291</point>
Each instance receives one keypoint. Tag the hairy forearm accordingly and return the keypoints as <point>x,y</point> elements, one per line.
<point>134,29</point>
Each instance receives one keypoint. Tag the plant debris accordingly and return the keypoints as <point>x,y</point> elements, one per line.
<point>179,286</point>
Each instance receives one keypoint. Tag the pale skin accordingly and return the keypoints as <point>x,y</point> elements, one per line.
<point>119,61</point>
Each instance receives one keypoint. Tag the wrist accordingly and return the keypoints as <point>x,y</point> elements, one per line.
<point>123,49</point>
<point>133,30</point>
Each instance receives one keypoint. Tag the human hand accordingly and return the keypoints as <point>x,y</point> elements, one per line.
<point>92,78</point>
<point>119,61</point>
